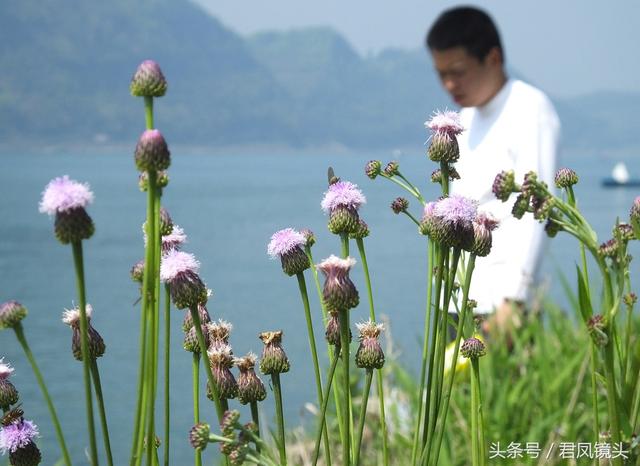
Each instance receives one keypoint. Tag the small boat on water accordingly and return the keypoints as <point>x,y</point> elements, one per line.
<point>620,178</point>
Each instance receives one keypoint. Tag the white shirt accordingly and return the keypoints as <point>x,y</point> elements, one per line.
<point>516,130</point>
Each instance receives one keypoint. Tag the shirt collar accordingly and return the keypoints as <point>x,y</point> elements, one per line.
<point>497,101</point>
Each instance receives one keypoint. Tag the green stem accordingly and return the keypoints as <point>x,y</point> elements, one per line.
<point>363,414</point>
<point>344,241</point>
<point>167,356</point>
<point>97,386</point>
<point>323,411</point>
<point>408,214</point>
<point>344,342</point>
<point>444,178</point>
<point>84,346</point>
<point>594,392</point>
<point>196,399</point>
<point>148,112</point>
<point>43,387</point>
<point>612,397</point>
<point>256,420</point>
<point>414,188</point>
<point>380,387</point>
<point>482,450</point>
<point>277,393</point>
<point>207,367</point>
<point>141,386</point>
<point>406,187</point>
<point>475,451</point>
<point>425,349</point>
<point>444,409</point>
<point>336,394</point>
<point>302,285</point>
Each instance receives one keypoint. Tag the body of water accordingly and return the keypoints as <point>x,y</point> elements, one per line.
<point>229,205</point>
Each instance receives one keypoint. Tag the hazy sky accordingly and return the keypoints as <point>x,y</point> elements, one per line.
<point>566,47</point>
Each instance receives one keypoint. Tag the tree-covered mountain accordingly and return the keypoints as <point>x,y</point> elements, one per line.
<point>65,68</point>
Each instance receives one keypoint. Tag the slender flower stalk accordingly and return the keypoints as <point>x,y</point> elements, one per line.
<point>19,331</point>
<point>363,415</point>
<point>97,385</point>
<point>323,410</point>
<point>196,400</point>
<point>167,365</point>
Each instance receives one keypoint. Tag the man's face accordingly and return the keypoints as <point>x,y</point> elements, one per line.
<point>469,81</point>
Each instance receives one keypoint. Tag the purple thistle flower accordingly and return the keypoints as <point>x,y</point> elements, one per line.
<point>285,241</point>
<point>221,360</point>
<point>180,271</point>
<point>63,194</point>
<point>173,240</point>
<point>445,122</point>
<point>5,370</point>
<point>287,244</point>
<point>18,435</point>
<point>175,263</point>
<point>342,194</point>
<point>97,347</point>
<point>456,210</point>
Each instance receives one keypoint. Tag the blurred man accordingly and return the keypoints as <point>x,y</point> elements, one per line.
<point>509,125</point>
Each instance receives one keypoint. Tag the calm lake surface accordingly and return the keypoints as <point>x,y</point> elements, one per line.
<point>229,205</point>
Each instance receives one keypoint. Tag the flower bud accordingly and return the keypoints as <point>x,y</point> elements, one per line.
<point>8,393</point>
<point>634,217</point>
<point>392,168</point>
<point>152,153</point>
<point>339,292</point>
<point>473,348</point>
<point>504,184</point>
<point>73,225</point>
<point>187,323</point>
<point>162,180</point>
<point>444,148</point>
<point>623,232</point>
<point>229,422</point>
<point>199,436</point>
<point>565,177</point>
<point>372,168</point>
<point>191,343</point>
<point>250,387</point>
<point>630,299</point>
<point>399,204</point>
<point>483,225</point>
<point>369,354</point>
<point>609,248</point>
<point>166,224</point>
<point>274,360</point>
<point>521,206</point>
<point>552,228</point>
<point>11,314</point>
<point>137,271</point>
<point>436,175</point>
<point>361,231</point>
<point>309,237</point>
<point>97,347</point>
<point>148,80</point>
<point>596,327</point>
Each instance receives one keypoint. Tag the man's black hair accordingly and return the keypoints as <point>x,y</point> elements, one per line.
<point>466,27</point>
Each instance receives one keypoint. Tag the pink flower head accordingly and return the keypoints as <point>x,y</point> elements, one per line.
<point>18,435</point>
<point>339,292</point>
<point>71,317</point>
<point>173,240</point>
<point>456,210</point>
<point>335,268</point>
<point>5,369</point>
<point>175,263</point>
<point>428,210</point>
<point>63,194</point>
<point>445,123</point>
<point>285,241</point>
<point>342,194</point>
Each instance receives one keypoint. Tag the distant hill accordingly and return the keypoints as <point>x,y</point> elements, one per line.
<point>65,68</point>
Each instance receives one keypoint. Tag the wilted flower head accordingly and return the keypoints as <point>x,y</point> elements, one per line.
<point>11,314</point>
<point>310,238</point>
<point>221,360</point>
<point>287,244</point>
<point>152,153</point>
<point>369,354</point>
<point>17,435</point>
<point>219,332</point>
<point>473,348</point>
<point>97,347</point>
<point>341,202</point>
<point>250,387</point>
<point>173,240</point>
<point>180,271</point>
<point>148,80</point>
<point>191,342</point>
<point>63,194</point>
<point>332,331</point>
<point>274,360</point>
<point>339,292</point>
<point>5,370</point>
<point>483,225</point>
<point>373,168</point>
